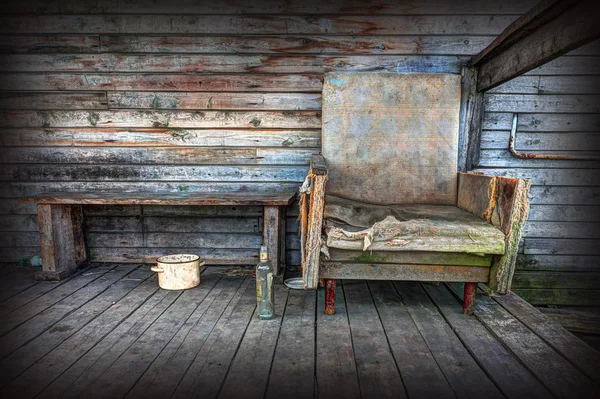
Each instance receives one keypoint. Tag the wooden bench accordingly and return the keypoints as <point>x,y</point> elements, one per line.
<point>60,220</point>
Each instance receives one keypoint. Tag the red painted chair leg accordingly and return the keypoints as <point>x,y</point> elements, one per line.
<point>330,296</point>
<point>469,298</point>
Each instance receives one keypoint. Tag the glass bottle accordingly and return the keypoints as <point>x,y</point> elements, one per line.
<point>264,286</point>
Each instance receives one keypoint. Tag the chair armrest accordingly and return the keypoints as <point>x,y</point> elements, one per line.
<point>317,165</point>
<point>312,202</point>
<point>502,202</point>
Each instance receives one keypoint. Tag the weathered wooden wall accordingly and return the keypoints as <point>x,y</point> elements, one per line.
<point>194,96</point>
<point>217,95</point>
<point>559,113</point>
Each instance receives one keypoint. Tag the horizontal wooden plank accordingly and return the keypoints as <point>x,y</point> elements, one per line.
<point>20,239</point>
<point>564,195</point>
<point>215,100</point>
<point>511,7</point>
<point>113,224</point>
<point>112,210</point>
<point>183,119</point>
<point>569,66</point>
<point>158,82</point>
<point>202,240</point>
<point>569,84</point>
<point>50,44</point>
<point>67,101</point>
<point>541,246</point>
<point>554,229</point>
<point>240,197</point>
<point>435,258</point>
<point>157,155</point>
<point>542,141</point>
<point>563,213</point>
<point>202,225</point>
<point>263,25</point>
<point>26,189</point>
<point>14,207</point>
<point>549,177</point>
<point>519,85</point>
<point>116,240</point>
<point>558,262</point>
<point>384,45</point>
<point>367,271</point>
<point>555,122</point>
<point>207,210</point>
<point>84,137</point>
<point>553,280</point>
<point>504,158</point>
<point>575,319</point>
<point>212,256</point>
<point>192,63</point>
<point>559,297</point>
<point>14,254</point>
<point>547,103</point>
<point>18,223</point>
<point>32,172</point>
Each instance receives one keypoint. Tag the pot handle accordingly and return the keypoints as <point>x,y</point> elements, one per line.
<point>157,269</point>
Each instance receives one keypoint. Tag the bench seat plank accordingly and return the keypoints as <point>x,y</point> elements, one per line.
<point>142,198</point>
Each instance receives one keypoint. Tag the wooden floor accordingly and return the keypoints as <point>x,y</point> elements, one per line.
<point>110,332</point>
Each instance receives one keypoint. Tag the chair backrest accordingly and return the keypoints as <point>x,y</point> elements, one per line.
<point>391,138</point>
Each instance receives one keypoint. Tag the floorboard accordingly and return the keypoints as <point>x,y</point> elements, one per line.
<point>463,373</point>
<point>420,372</point>
<point>293,368</point>
<point>248,375</point>
<point>207,372</point>
<point>118,379</point>
<point>163,376</point>
<point>378,374</point>
<point>111,332</point>
<point>561,340</point>
<point>508,373</point>
<point>336,367</point>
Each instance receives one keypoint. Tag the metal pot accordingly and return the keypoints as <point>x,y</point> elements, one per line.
<point>178,272</point>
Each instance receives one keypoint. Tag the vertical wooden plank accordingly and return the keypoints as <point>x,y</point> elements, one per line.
<point>282,246</point>
<point>57,241</point>
<point>78,234</point>
<point>271,232</point>
<point>471,114</point>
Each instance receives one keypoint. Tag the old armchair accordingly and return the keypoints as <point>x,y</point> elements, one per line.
<point>384,201</point>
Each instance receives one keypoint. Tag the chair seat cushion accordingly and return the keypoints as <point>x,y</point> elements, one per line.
<point>434,228</point>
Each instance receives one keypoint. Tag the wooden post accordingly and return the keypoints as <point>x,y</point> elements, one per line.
<point>469,298</point>
<point>271,236</point>
<point>330,296</point>
<point>62,241</point>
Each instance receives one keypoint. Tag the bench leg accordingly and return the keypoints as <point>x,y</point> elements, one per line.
<point>469,298</point>
<point>62,240</point>
<point>274,238</point>
<point>330,296</point>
